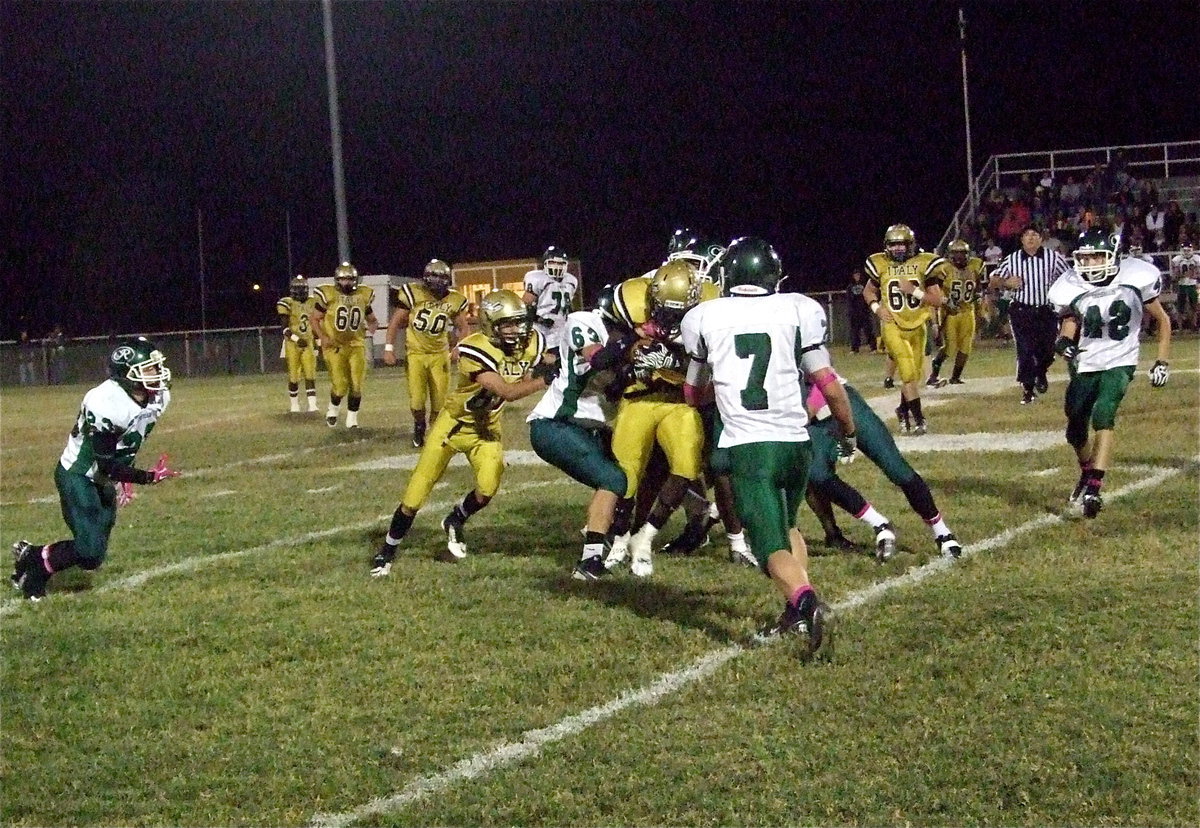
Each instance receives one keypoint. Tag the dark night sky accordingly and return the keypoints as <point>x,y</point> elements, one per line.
<point>477,130</point>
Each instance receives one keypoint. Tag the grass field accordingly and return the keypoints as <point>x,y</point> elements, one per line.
<point>233,664</point>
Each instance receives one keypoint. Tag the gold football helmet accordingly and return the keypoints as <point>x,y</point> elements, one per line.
<point>504,320</point>
<point>298,288</point>
<point>346,278</point>
<point>900,242</point>
<point>674,290</point>
<point>959,251</point>
<point>437,277</point>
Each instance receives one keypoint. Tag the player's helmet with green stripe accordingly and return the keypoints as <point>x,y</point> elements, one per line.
<point>749,267</point>
<point>138,364</point>
<point>696,250</point>
<point>1096,256</point>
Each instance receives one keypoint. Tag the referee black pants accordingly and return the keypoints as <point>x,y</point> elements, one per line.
<point>1034,329</point>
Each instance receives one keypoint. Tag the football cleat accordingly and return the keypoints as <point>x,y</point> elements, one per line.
<point>381,564</point>
<point>888,382</point>
<point>905,422</point>
<point>920,428</point>
<point>618,552</point>
<point>641,563</point>
<point>740,553</point>
<point>1042,385</point>
<point>418,436</point>
<point>331,420</point>
<point>589,569</point>
<point>1028,397</point>
<point>816,630</point>
<point>29,574</point>
<point>1092,504</point>
<point>934,382</point>
<point>839,541</point>
<point>956,381</point>
<point>351,419</point>
<point>948,546</point>
<point>1076,498</point>
<point>885,543</point>
<point>693,536</point>
<point>456,540</point>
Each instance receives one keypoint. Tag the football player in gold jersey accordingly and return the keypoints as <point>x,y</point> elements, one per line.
<point>903,289</point>
<point>652,409</point>
<point>342,318</point>
<point>500,363</point>
<point>963,285</point>
<point>427,310</point>
<point>295,309</point>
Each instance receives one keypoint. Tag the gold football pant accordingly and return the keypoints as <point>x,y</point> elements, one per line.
<point>301,362</point>
<point>447,438</point>
<point>347,366</point>
<point>906,348</point>
<point>958,333</point>
<point>428,379</point>
<point>674,426</point>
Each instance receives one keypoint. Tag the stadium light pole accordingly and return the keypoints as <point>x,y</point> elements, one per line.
<point>962,38</point>
<point>335,134</point>
<point>200,254</point>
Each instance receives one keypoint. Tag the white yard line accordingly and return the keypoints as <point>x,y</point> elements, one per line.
<point>198,562</point>
<point>531,742</point>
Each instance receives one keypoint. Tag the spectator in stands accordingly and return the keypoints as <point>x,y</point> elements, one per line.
<point>1046,184</point>
<point>861,329</point>
<point>1172,223</point>
<point>1071,194</point>
<point>1154,224</point>
<point>1116,220</point>
<point>56,344</point>
<point>1016,215</point>
<point>1190,232</point>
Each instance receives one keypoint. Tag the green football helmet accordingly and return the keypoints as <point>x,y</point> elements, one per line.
<point>298,288</point>
<point>697,251</point>
<point>682,239</point>
<point>899,242</point>
<point>138,365</point>
<point>437,277</point>
<point>554,262</point>
<point>604,306</point>
<point>1096,256</point>
<point>504,320</point>
<point>346,278</point>
<point>674,290</point>
<point>749,267</point>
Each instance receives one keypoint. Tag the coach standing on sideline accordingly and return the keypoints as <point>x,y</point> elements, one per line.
<point>1030,271</point>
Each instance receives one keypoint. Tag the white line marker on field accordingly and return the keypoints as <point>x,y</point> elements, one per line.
<point>532,741</point>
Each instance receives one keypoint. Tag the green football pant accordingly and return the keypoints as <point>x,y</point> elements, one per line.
<point>90,511</point>
<point>769,480</point>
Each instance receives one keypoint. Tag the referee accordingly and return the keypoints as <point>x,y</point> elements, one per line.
<point>1030,271</point>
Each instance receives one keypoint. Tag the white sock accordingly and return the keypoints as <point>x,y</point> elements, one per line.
<point>647,533</point>
<point>332,411</point>
<point>873,517</point>
<point>737,542</point>
<point>351,418</point>
<point>938,526</point>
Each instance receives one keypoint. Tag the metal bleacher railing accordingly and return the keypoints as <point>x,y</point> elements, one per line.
<point>1177,161</point>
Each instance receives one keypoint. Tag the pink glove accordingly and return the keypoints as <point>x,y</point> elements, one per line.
<point>125,493</point>
<point>161,471</point>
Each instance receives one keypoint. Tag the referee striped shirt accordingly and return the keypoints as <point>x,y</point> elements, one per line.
<point>1037,273</point>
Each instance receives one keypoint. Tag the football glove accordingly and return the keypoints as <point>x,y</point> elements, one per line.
<point>1159,374</point>
<point>847,449</point>
<point>653,357</point>
<point>545,371</point>
<point>162,471</point>
<point>951,305</point>
<point>125,493</point>
<point>1066,348</point>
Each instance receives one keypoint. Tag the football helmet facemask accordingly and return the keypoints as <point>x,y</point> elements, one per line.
<point>899,242</point>
<point>1186,250</point>
<point>554,262</point>
<point>346,278</point>
<point>958,251</point>
<point>1135,250</point>
<point>699,252</point>
<point>749,267</point>
<point>298,288</point>
<point>1096,256</point>
<point>674,290</point>
<point>437,277</point>
<point>504,320</point>
<point>138,364</point>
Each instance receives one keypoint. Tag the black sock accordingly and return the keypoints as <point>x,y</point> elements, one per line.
<point>63,555</point>
<point>401,523</point>
<point>590,537</point>
<point>915,407</point>
<point>468,507</point>
<point>937,366</point>
<point>904,406</point>
<point>353,403</point>
<point>622,515</point>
